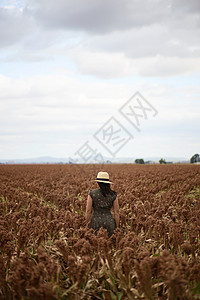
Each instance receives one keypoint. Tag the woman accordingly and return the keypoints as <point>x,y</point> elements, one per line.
<point>99,204</point>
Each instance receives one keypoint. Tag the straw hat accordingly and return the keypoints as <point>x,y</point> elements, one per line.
<point>103,177</point>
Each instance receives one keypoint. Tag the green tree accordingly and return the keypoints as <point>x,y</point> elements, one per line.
<point>195,158</point>
<point>139,161</point>
<point>162,161</point>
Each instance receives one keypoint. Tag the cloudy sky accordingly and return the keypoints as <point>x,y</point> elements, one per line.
<point>67,68</point>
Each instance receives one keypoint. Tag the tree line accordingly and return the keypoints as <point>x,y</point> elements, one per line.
<point>194,159</point>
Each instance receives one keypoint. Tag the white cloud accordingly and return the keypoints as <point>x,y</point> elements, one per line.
<point>96,16</point>
<point>112,39</point>
<point>63,107</point>
<point>108,65</point>
<point>14,26</point>
<point>68,66</point>
<point>166,39</point>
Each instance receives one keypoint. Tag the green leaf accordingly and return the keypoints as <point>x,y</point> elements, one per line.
<point>112,279</point>
<point>132,280</point>
<point>196,290</point>
<point>113,297</point>
<point>69,289</point>
<point>119,295</point>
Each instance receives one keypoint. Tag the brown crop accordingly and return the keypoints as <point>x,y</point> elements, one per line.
<point>47,251</point>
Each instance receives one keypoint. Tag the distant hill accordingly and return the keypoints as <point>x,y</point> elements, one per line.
<point>56,160</point>
<point>36,160</point>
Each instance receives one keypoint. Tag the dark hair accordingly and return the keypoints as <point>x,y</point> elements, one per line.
<point>105,188</point>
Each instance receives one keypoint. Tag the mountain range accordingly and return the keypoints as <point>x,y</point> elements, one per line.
<point>66,160</point>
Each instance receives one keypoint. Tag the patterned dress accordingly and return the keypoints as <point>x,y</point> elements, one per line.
<point>101,215</point>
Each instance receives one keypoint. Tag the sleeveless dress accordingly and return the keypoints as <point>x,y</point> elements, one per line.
<point>101,215</point>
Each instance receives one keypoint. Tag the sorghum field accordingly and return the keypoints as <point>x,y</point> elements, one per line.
<point>46,251</point>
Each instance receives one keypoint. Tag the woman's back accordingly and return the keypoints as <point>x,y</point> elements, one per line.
<point>99,204</point>
<point>101,215</point>
<point>102,202</point>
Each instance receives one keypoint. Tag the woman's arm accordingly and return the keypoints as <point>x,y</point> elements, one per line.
<point>116,211</point>
<point>88,209</point>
